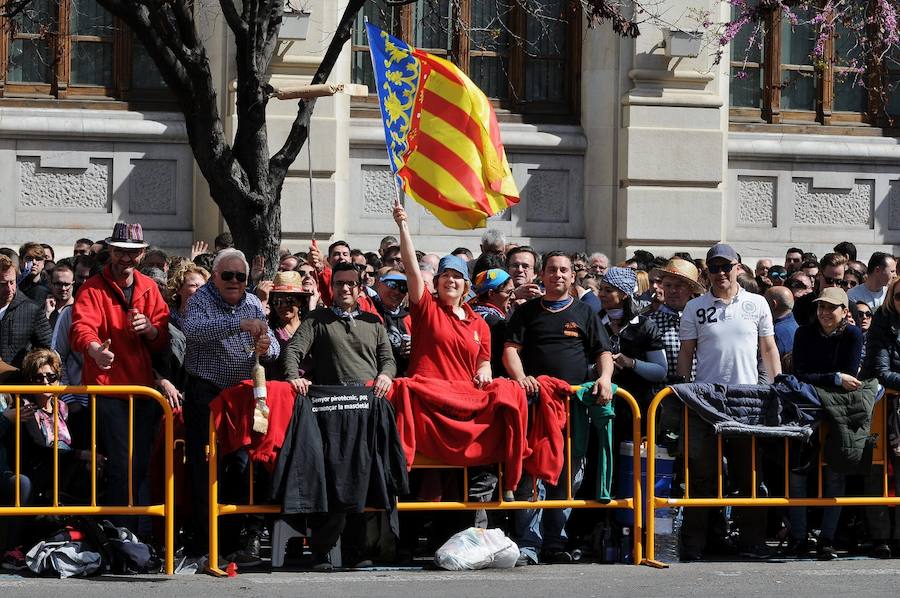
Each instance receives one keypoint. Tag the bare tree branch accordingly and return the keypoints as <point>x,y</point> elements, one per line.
<point>237,24</point>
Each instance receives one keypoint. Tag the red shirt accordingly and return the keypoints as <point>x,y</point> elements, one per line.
<point>443,346</point>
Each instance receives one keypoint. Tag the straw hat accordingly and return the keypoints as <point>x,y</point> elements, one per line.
<point>287,282</point>
<point>682,269</point>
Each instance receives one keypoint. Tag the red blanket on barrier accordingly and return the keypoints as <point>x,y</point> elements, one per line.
<point>459,424</point>
<point>545,437</point>
<point>233,417</point>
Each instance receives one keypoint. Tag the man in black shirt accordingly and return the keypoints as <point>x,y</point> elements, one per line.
<point>561,337</point>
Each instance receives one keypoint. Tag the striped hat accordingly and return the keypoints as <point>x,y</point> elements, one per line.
<point>127,236</point>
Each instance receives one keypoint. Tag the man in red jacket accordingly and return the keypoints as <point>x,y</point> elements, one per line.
<point>119,321</point>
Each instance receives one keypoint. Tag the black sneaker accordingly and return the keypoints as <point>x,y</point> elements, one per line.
<point>798,549</point>
<point>557,557</point>
<point>825,551</point>
<point>759,552</point>
<point>881,551</point>
<point>243,558</point>
<point>322,562</point>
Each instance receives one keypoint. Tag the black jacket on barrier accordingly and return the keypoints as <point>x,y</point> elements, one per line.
<point>298,481</point>
<point>787,408</point>
<point>363,459</point>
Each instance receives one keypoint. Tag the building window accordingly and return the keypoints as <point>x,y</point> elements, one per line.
<point>776,79</point>
<point>524,54</point>
<point>75,50</point>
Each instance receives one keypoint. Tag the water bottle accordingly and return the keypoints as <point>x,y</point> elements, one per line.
<point>668,527</point>
<point>625,549</point>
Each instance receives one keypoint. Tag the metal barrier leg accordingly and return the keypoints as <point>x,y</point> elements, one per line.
<point>650,543</point>
<point>213,458</point>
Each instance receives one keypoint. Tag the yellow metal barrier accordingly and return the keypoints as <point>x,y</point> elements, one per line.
<point>634,503</point>
<point>879,424</point>
<point>129,393</point>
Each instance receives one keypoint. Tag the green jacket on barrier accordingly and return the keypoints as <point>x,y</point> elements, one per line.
<point>848,447</point>
<point>586,413</point>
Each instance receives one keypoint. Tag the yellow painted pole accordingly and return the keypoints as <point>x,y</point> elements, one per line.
<point>650,543</point>
<point>213,458</point>
<point>169,424</point>
<point>18,399</point>
<point>55,450</point>
<point>130,450</point>
<point>93,399</point>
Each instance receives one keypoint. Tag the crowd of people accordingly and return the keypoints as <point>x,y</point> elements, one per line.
<point>426,327</point>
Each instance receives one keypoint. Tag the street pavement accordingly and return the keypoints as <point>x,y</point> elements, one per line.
<point>793,579</point>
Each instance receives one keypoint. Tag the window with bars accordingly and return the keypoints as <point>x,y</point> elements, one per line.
<point>524,54</point>
<point>776,79</point>
<point>75,50</point>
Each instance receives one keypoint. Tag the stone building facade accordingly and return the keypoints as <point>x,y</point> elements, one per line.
<point>650,152</point>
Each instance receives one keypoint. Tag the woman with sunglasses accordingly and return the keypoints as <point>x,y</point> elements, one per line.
<point>883,362</point>
<point>288,302</point>
<point>46,433</point>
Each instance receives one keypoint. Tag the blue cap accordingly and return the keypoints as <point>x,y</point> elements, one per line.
<point>454,262</point>
<point>393,276</point>
<point>722,250</point>
<point>490,280</point>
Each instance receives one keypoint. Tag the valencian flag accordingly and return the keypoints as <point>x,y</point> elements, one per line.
<point>442,135</point>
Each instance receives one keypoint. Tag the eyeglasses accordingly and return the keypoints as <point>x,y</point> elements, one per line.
<point>284,301</point>
<point>395,284</point>
<point>716,268</point>
<point>864,314</point>
<point>50,378</point>
<point>345,283</point>
<point>228,276</point>
<point>833,282</point>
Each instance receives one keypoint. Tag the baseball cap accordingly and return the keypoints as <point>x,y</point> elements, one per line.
<point>833,295</point>
<point>722,250</point>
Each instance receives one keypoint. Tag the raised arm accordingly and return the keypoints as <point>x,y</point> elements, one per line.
<point>414,281</point>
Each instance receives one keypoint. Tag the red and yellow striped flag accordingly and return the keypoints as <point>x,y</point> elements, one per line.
<point>442,135</point>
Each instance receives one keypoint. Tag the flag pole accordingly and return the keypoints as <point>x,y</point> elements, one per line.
<point>398,191</point>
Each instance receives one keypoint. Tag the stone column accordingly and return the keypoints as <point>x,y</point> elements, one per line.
<point>672,144</point>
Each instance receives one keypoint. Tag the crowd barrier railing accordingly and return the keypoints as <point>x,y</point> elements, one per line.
<point>633,503</point>
<point>880,457</point>
<point>166,509</point>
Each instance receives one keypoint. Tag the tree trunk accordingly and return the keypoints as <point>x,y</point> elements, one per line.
<point>256,229</point>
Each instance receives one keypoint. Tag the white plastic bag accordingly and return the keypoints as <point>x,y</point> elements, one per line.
<point>477,548</point>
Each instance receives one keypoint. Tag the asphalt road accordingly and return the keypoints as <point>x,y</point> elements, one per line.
<point>796,579</point>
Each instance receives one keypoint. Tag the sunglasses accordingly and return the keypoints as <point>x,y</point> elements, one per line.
<point>716,268</point>
<point>47,378</point>
<point>396,285</point>
<point>284,301</point>
<point>796,285</point>
<point>228,276</point>
<point>833,282</point>
<point>307,272</point>
<point>345,283</point>
<point>864,314</point>
<point>781,275</point>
